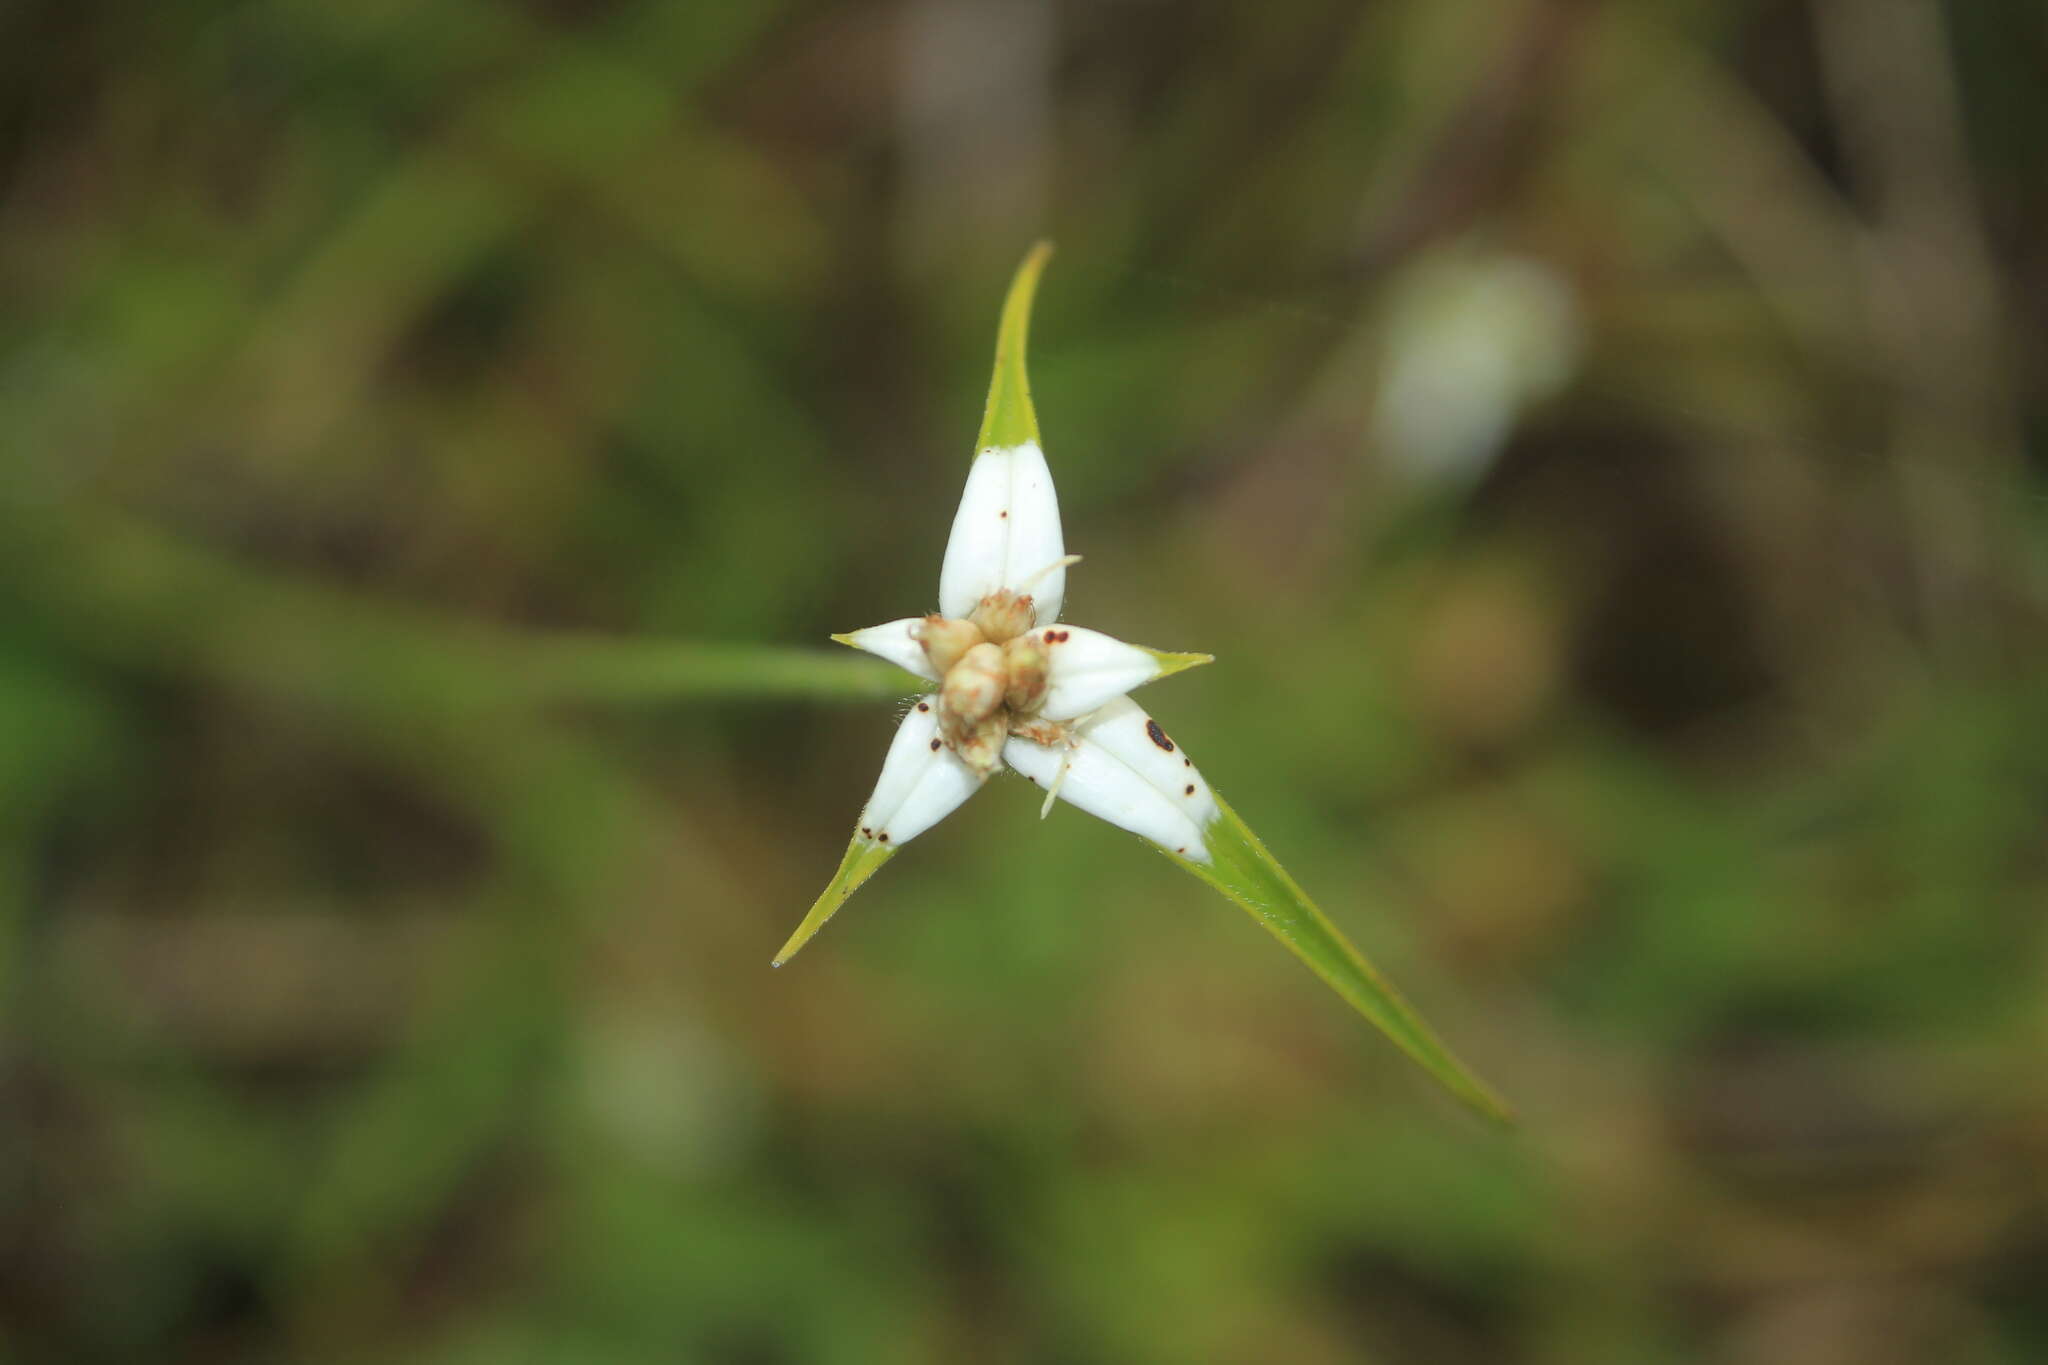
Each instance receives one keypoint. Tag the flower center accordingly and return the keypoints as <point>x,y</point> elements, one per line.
<point>992,670</point>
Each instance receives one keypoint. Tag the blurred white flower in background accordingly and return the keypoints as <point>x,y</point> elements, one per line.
<point>1471,342</point>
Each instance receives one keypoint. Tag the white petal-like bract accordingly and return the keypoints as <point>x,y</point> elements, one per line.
<point>1124,769</point>
<point>922,781</point>
<point>1007,529</point>
<point>1085,668</point>
<point>897,642</point>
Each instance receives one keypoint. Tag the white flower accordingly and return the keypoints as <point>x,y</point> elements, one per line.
<point>1012,682</point>
<point>1018,688</point>
<point>1015,687</point>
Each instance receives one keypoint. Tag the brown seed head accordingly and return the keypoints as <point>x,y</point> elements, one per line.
<point>981,746</point>
<point>1024,662</point>
<point>974,686</point>
<point>945,640</point>
<point>1003,616</point>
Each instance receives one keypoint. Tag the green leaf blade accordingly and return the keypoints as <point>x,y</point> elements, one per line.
<point>1242,869</point>
<point>863,858</point>
<point>1010,419</point>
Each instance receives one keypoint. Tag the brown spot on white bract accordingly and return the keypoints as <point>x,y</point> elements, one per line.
<point>1190,791</point>
<point>924,706</point>
<point>935,749</point>
<point>883,837</point>
<point>1158,735</point>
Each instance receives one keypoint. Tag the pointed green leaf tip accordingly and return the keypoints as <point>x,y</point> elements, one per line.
<point>863,856</point>
<point>1242,869</point>
<point>1170,664</point>
<point>1009,419</point>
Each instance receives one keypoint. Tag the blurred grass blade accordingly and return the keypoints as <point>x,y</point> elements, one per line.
<point>1010,419</point>
<point>649,670</point>
<point>1243,870</point>
<point>863,856</point>
<point>173,602</point>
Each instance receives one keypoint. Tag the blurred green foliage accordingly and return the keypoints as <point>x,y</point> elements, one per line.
<point>1603,445</point>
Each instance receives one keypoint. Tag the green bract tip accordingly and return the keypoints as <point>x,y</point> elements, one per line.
<point>1009,419</point>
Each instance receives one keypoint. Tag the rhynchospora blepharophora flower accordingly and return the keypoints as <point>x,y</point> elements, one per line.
<point>1015,688</point>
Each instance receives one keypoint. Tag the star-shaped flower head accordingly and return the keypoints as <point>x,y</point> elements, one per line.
<point>1016,688</point>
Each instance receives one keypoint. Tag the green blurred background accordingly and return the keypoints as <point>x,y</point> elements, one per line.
<point>1604,445</point>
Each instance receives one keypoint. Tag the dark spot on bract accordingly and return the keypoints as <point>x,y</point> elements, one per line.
<point>924,706</point>
<point>935,746</point>
<point>866,832</point>
<point>1158,735</point>
<point>1186,762</point>
<point>1004,513</point>
<point>1182,849</point>
<point>883,837</point>
<point>1190,791</point>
